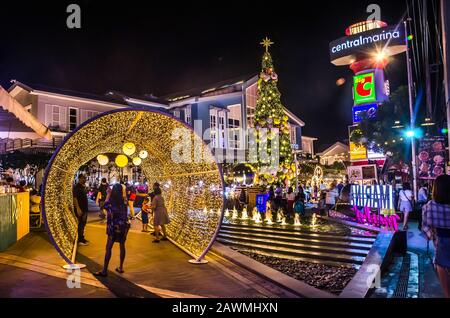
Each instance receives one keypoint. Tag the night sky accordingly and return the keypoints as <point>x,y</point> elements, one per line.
<point>129,47</point>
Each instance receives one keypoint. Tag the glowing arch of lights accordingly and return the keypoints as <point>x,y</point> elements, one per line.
<point>195,219</point>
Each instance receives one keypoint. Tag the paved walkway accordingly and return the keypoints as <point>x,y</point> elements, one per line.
<point>411,275</point>
<point>32,268</point>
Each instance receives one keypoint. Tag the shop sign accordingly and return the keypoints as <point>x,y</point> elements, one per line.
<point>364,88</point>
<point>370,111</point>
<point>432,157</point>
<point>357,152</point>
<point>360,173</point>
<point>261,202</point>
<point>387,37</point>
<point>378,220</point>
<point>372,196</point>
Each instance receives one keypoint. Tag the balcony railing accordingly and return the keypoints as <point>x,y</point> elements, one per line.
<point>11,145</point>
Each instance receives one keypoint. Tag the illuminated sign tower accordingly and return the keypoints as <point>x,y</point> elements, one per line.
<point>366,50</point>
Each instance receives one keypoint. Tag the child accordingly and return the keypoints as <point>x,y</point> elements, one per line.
<point>146,209</point>
<point>299,205</point>
<point>322,206</point>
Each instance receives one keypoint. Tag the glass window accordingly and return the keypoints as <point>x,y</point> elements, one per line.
<point>222,129</point>
<point>188,115</point>
<point>213,127</point>
<point>251,96</point>
<point>91,114</point>
<point>293,135</point>
<point>234,126</point>
<point>56,117</point>
<point>73,118</point>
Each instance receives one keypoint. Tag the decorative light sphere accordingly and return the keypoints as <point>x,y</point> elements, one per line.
<point>129,148</point>
<point>137,161</point>
<point>121,161</point>
<point>102,160</point>
<point>143,154</point>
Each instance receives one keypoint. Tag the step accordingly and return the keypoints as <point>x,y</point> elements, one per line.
<point>310,255</point>
<point>296,247</point>
<point>300,234</point>
<point>290,229</point>
<point>298,258</point>
<point>292,239</point>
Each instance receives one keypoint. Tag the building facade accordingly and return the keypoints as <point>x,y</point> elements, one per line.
<point>221,114</point>
<point>339,152</point>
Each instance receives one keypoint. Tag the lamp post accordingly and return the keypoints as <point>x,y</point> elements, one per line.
<point>445,16</point>
<point>411,110</point>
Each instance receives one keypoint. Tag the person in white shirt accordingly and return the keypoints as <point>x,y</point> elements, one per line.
<point>422,199</point>
<point>331,196</point>
<point>290,197</point>
<point>422,196</point>
<point>405,203</point>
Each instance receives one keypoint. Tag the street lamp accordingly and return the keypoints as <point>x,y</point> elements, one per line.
<point>411,109</point>
<point>410,134</point>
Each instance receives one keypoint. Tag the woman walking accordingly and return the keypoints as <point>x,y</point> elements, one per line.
<point>405,203</point>
<point>436,225</point>
<point>160,216</point>
<point>117,226</point>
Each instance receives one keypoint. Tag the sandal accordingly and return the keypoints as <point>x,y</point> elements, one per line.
<point>164,239</point>
<point>120,271</point>
<point>100,274</point>
<point>155,241</point>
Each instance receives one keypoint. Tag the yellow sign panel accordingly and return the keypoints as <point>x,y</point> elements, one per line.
<point>357,152</point>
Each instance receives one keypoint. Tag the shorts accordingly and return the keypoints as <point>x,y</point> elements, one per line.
<point>144,218</point>
<point>405,207</point>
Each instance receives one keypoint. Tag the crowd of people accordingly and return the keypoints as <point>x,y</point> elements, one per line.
<point>116,205</point>
<point>291,202</point>
<point>9,185</point>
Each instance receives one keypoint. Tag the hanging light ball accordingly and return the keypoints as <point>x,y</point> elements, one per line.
<point>121,161</point>
<point>102,160</point>
<point>129,148</point>
<point>137,161</point>
<point>143,154</point>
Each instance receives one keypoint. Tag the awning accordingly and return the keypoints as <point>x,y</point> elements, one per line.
<point>8,103</point>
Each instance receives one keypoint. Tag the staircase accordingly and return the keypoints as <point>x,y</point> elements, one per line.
<point>303,245</point>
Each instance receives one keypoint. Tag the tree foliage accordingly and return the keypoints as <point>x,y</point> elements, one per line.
<point>270,115</point>
<point>378,133</point>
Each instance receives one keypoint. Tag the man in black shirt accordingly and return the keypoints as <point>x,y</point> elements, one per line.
<point>81,207</point>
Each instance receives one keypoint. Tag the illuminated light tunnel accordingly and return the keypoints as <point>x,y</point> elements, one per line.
<point>195,216</point>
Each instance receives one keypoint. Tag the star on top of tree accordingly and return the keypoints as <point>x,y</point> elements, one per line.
<point>267,43</point>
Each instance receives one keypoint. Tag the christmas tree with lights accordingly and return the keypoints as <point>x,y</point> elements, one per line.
<point>270,115</point>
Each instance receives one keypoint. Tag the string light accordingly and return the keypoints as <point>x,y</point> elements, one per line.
<point>121,161</point>
<point>102,160</point>
<point>129,148</point>
<point>189,227</point>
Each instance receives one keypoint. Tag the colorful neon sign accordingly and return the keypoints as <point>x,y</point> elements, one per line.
<point>370,111</point>
<point>379,220</point>
<point>376,196</point>
<point>357,152</point>
<point>364,88</point>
